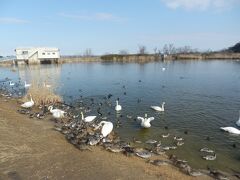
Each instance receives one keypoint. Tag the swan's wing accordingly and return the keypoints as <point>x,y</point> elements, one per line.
<point>140,118</point>
<point>151,118</point>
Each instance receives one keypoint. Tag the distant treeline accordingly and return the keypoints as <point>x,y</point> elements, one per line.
<point>234,49</point>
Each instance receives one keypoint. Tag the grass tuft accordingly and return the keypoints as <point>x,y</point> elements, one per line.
<point>42,95</point>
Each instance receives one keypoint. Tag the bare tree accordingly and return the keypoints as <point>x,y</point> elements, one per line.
<point>155,50</point>
<point>123,52</point>
<point>88,52</point>
<point>142,49</point>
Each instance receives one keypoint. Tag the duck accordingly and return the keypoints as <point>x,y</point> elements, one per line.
<point>118,107</point>
<point>145,122</point>
<point>28,104</point>
<point>210,157</point>
<point>11,83</point>
<point>238,122</point>
<point>231,130</point>
<point>107,128</point>
<point>158,108</point>
<point>165,135</point>
<point>26,85</point>
<point>88,118</point>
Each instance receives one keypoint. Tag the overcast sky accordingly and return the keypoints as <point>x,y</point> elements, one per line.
<point>107,26</point>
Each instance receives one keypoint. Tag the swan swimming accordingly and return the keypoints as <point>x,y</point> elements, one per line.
<point>231,130</point>
<point>26,85</point>
<point>118,107</point>
<point>11,83</point>
<point>46,85</point>
<point>238,122</point>
<point>28,104</point>
<point>107,128</point>
<point>57,113</point>
<point>145,122</point>
<point>88,118</point>
<point>158,108</point>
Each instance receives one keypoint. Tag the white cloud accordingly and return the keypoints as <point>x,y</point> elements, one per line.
<point>200,4</point>
<point>92,17</point>
<point>11,20</point>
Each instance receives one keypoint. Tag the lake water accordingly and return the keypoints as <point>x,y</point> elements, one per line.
<point>200,96</point>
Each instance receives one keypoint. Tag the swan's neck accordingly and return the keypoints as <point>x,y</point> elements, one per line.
<point>145,116</point>
<point>117,103</point>
<point>82,116</point>
<point>163,106</point>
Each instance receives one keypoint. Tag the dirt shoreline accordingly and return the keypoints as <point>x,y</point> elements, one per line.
<point>31,149</point>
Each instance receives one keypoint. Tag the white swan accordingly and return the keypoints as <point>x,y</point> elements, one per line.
<point>238,122</point>
<point>107,128</point>
<point>118,107</point>
<point>158,108</point>
<point>46,85</point>
<point>231,130</point>
<point>88,118</point>
<point>11,83</point>
<point>26,85</point>
<point>50,108</point>
<point>58,115</point>
<point>145,122</point>
<point>163,69</point>
<point>28,104</point>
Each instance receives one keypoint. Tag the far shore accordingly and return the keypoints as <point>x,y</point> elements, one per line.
<point>32,149</point>
<point>141,58</point>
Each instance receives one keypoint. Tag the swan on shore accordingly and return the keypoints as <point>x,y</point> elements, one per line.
<point>118,107</point>
<point>88,118</point>
<point>107,128</point>
<point>28,104</point>
<point>57,113</point>
<point>145,122</point>
<point>231,130</point>
<point>26,85</point>
<point>158,108</point>
<point>238,122</point>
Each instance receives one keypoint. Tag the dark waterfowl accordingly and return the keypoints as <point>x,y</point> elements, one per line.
<point>206,150</point>
<point>210,157</point>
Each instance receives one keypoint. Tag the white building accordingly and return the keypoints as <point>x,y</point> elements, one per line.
<point>37,55</point>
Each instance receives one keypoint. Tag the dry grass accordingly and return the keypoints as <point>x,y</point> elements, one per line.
<point>42,95</point>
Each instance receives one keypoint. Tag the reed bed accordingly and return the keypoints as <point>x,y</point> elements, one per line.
<point>42,95</point>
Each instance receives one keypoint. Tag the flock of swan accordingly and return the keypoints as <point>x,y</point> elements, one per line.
<point>107,126</point>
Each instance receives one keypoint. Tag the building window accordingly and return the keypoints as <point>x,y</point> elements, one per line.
<point>24,52</point>
<point>43,53</point>
<point>53,53</point>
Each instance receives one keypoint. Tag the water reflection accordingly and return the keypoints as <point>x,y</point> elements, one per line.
<point>39,74</point>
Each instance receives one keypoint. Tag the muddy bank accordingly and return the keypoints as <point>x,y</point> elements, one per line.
<point>31,149</point>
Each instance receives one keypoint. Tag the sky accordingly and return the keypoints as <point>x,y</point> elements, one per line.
<point>108,26</point>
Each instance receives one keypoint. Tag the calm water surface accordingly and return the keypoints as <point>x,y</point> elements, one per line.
<point>200,96</point>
